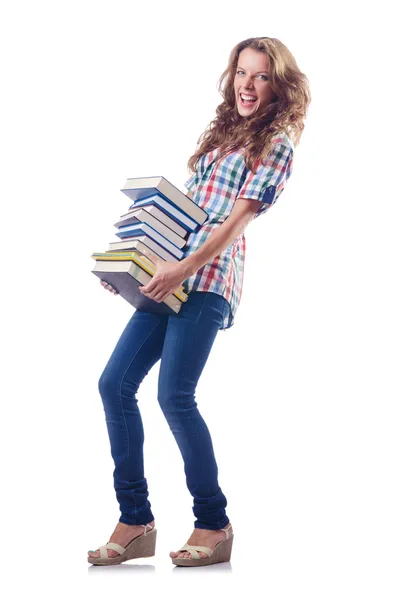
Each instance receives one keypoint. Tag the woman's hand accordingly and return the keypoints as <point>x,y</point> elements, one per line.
<point>107,286</point>
<point>167,278</point>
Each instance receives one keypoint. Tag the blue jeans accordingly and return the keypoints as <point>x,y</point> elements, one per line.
<point>183,342</point>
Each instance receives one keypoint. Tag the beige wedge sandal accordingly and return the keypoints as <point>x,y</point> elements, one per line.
<point>142,546</point>
<point>221,552</point>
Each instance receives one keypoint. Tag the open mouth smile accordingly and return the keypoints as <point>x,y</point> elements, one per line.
<point>247,99</point>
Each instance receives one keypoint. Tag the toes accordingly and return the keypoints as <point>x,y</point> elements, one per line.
<point>97,554</point>
<point>186,554</point>
<point>180,554</point>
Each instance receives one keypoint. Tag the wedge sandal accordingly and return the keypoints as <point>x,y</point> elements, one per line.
<point>221,553</point>
<point>142,546</point>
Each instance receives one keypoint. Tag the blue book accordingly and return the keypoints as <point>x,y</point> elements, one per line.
<point>143,187</point>
<point>145,229</point>
<point>169,209</point>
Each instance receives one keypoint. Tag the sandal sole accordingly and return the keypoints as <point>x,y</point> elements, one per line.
<point>222,553</point>
<point>143,546</point>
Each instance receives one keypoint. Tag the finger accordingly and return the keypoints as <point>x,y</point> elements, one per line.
<point>150,288</point>
<point>108,287</point>
<point>158,297</point>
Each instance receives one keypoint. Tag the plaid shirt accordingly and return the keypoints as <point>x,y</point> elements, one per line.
<point>215,186</point>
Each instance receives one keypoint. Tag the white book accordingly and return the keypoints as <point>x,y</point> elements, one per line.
<point>141,215</point>
<point>170,209</point>
<point>146,229</point>
<point>159,214</point>
<point>140,187</point>
<point>143,244</point>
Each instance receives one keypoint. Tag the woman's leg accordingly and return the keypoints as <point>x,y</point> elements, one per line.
<point>188,341</point>
<point>137,350</point>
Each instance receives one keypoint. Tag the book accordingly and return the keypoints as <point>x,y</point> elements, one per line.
<point>130,271</point>
<point>141,187</point>
<point>144,245</point>
<point>144,230</point>
<point>141,215</point>
<point>177,216</point>
<point>157,213</point>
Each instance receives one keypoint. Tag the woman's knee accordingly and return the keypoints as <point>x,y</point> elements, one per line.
<point>173,401</point>
<point>107,384</point>
<point>115,391</point>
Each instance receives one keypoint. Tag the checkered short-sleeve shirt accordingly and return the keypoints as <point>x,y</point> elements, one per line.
<point>215,186</point>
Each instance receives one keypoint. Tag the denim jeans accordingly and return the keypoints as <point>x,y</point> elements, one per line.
<point>183,342</point>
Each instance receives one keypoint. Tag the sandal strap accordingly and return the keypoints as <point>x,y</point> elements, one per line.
<point>227,530</point>
<point>112,546</point>
<point>145,526</point>
<point>120,549</point>
<point>193,550</point>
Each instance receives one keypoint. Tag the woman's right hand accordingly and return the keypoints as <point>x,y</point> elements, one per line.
<point>108,287</point>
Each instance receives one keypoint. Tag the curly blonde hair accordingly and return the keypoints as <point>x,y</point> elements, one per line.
<point>229,130</point>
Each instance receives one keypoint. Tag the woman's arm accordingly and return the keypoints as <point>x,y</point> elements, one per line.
<point>242,213</point>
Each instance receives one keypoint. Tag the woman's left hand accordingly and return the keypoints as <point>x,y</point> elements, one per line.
<point>167,278</point>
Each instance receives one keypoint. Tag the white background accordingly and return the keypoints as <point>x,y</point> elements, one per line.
<point>299,395</point>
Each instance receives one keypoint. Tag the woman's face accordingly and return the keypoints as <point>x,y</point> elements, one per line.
<point>251,79</point>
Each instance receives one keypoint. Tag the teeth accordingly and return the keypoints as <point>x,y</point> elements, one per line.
<point>247,97</point>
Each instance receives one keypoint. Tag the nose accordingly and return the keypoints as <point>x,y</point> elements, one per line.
<point>248,83</point>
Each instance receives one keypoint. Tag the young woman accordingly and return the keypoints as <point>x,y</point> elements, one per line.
<point>240,169</point>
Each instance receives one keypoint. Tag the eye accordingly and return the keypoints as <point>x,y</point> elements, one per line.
<point>239,71</point>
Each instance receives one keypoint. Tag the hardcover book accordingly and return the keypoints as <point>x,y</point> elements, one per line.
<point>158,225</point>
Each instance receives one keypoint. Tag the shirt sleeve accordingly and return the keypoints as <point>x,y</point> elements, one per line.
<point>269,180</point>
<point>191,183</point>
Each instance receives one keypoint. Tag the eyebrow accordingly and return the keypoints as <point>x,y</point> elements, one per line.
<point>244,70</point>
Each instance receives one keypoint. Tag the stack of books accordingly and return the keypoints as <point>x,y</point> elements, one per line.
<point>158,222</point>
